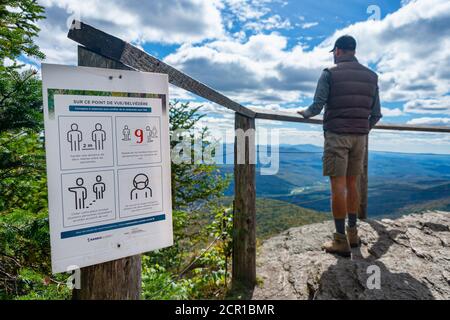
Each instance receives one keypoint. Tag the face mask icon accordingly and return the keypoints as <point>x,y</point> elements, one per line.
<point>141,188</point>
<point>141,185</point>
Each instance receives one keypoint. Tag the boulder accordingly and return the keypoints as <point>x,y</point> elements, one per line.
<point>406,258</point>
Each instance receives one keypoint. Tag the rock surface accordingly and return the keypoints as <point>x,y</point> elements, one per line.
<point>411,255</point>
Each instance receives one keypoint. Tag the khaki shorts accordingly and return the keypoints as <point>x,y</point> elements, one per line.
<point>343,154</point>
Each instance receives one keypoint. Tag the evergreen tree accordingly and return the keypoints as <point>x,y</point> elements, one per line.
<point>18,28</point>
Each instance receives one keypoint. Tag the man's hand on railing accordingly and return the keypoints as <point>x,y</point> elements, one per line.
<point>303,113</point>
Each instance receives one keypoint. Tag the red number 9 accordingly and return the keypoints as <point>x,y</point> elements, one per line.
<point>140,135</point>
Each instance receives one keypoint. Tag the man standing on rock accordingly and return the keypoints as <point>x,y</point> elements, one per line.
<point>349,92</point>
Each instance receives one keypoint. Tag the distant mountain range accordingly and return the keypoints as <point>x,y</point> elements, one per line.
<point>399,183</point>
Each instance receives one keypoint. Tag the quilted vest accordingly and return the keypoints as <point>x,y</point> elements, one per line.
<point>352,92</point>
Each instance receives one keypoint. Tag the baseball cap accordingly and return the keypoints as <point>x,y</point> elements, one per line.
<point>345,42</point>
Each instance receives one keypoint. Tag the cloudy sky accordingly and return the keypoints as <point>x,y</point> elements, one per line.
<point>269,54</point>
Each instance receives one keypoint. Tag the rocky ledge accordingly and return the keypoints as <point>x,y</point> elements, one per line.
<point>407,258</point>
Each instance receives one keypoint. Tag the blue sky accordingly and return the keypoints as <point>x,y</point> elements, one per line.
<point>269,54</point>
<point>314,23</point>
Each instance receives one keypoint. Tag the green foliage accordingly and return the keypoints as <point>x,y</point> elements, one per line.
<point>22,171</point>
<point>24,258</point>
<point>20,101</point>
<point>22,161</point>
<point>275,216</point>
<point>22,157</point>
<point>39,288</point>
<point>24,234</point>
<point>192,182</point>
<point>18,27</point>
<point>158,283</point>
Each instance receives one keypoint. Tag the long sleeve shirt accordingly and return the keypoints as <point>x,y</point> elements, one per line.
<point>321,98</point>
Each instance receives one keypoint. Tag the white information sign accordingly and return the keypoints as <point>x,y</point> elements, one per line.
<point>108,164</point>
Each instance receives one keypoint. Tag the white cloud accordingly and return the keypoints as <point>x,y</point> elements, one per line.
<point>430,121</point>
<point>253,16</point>
<point>308,25</point>
<point>405,2</point>
<point>386,112</point>
<point>172,22</point>
<point>260,70</point>
<point>407,70</point>
<point>245,10</point>
<point>212,110</point>
<point>177,93</point>
<point>270,23</point>
<point>439,105</point>
<point>414,142</point>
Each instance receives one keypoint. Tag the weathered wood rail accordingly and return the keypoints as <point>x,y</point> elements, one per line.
<point>100,49</point>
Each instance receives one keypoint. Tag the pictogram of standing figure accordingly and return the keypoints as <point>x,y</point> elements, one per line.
<point>80,193</point>
<point>141,189</point>
<point>126,133</point>
<point>98,187</point>
<point>98,136</point>
<point>74,137</point>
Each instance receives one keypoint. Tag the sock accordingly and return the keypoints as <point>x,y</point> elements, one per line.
<point>352,220</point>
<point>340,225</point>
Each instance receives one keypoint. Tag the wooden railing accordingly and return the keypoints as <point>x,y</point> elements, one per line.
<point>103,50</point>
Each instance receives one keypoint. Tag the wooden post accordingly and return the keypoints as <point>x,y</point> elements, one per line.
<point>363,185</point>
<point>244,222</point>
<point>118,279</point>
<point>113,280</point>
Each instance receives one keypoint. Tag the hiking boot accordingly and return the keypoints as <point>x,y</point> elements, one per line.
<point>352,236</point>
<point>339,245</point>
